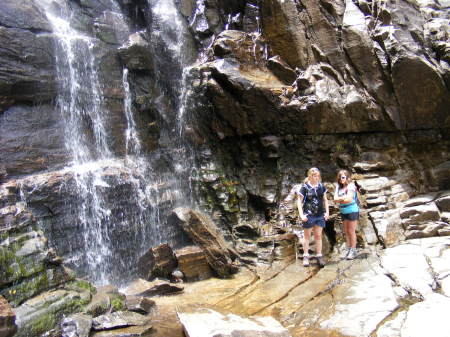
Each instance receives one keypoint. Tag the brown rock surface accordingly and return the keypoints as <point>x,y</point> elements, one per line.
<point>205,234</point>
<point>7,319</point>
<point>193,264</point>
<point>158,261</point>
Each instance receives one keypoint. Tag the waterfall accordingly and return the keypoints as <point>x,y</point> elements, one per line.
<point>133,143</point>
<point>121,200</point>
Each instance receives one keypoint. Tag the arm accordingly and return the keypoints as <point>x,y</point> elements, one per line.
<point>300,207</point>
<point>336,197</point>
<point>350,195</point>
<point>326,205</point>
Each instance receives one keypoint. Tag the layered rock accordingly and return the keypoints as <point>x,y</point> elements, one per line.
<point>205,234</point>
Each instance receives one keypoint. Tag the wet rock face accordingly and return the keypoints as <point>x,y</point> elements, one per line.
<point>27,67</point>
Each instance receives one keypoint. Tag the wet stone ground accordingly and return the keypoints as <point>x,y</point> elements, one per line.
<point>381,293</point>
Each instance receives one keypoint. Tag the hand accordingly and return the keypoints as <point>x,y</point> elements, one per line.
<point>304,218</point>
<point>326,216</point>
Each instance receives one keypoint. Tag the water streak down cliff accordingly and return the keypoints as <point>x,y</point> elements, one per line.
<point>118,196</point>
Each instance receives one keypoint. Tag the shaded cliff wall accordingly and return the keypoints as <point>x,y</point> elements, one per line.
<point>361,85</point>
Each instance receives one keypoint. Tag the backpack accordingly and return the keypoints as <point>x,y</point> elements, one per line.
<point>359,190</point>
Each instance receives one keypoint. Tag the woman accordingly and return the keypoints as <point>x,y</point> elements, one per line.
<point>345,195</point>
<point>312,207</point>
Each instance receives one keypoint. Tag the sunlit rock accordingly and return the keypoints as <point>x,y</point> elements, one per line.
<point>193,264</point>
<point>409,266</point>
<point>361,302</point>
<point>208,323</point>
<point>434,309</point>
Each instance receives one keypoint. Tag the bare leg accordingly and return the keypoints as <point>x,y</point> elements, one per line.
<point>351,233</point>
<point>318,239</point>
<point>346,232</point>
<point>306,237</point>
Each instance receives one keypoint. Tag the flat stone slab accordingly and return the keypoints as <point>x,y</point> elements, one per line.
<point>118,319</point>
<point>210,323</point>
<point>428,318</point>
<point>362,301</point>
<point>132,331</point>
<point>409,265</point>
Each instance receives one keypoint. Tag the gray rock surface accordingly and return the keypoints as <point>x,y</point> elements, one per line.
<point>118,319</point>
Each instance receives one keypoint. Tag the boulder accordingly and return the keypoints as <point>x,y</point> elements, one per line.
<point>43,312</point>
<point>118,319</point>
<point>139,304</point>
<point>100,304</point>
<point>7,319</point>
<point>77,325</point>
<point>205,234</point>
<point>193,264</point>
<point>158,261</point>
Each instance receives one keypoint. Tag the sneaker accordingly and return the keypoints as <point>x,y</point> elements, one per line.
<point>305,261</point>
<point>345,253</point>
<point>351,254</point>
<point>320,261</point>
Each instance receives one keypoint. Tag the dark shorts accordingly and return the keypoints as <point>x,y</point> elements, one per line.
<point>314,221</point>
<point>350,216</point>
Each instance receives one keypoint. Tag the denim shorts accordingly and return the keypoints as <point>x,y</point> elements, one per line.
<point>314,221</point>
<point>350,216</point>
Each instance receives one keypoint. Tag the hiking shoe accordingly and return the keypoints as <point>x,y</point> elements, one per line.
<point>320,261</point>
<point>305,261</point>
<point>351,254</point>
<point>345,253</point>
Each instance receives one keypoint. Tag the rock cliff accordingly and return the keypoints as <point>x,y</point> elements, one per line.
<point>237,101</point>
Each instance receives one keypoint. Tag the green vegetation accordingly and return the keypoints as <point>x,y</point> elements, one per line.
<point>117,303</point>
<point>42,324</point>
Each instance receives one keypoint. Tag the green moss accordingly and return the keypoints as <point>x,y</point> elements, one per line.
<point>117,304</point>
<point>26,289</point>
<point>83,284</point>
<point>42,324</point>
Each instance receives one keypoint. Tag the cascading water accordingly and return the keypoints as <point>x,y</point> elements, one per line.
<point>120,201</point>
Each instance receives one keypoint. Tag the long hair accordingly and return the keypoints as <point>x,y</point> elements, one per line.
<point>311,171</point>
<point>347,181</point>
